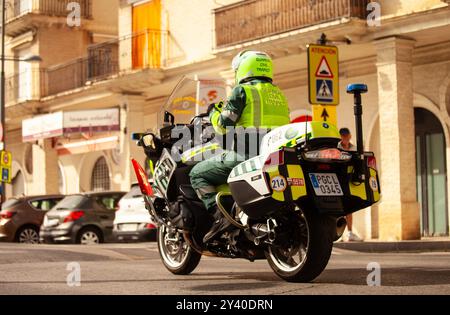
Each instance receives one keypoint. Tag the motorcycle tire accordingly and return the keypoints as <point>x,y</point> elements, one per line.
<point>320,244</point>
<point>183,267</point>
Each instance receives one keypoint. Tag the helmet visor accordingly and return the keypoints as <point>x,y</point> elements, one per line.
<point>237,60</point>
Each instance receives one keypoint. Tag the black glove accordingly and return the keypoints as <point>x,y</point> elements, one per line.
<point>215,106</point>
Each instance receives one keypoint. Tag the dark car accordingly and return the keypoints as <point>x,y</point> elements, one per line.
<point>21,218</point>
<point>85,218</point>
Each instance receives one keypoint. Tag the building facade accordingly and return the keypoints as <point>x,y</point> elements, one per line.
<point>128,55</point>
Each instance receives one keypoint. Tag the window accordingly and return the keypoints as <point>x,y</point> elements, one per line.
<point>100,180</point>
<point>44,204</point>
<point>109,202</point>
<point>146,27</point>
<point>74,202</point>
<point>135,192</point>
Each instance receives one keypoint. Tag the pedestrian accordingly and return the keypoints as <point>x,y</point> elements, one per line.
<point>345,144</point>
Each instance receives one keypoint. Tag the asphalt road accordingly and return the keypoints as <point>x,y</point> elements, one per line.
<point>136,269</point>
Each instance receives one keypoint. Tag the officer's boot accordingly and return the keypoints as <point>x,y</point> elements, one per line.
<point>220,224</point>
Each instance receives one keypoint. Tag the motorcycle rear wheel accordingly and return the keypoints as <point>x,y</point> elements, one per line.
<point>312,246</point>
<point>176,254</point>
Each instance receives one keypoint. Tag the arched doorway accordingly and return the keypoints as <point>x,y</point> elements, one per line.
<point>431,173</point>
<point>100,180</point>
<point>18,184</point>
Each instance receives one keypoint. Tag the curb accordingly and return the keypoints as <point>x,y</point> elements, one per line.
<point>395,247</point>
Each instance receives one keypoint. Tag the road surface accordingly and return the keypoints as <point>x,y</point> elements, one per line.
<point>136,269</point>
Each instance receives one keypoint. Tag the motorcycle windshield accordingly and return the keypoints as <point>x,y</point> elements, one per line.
<point>191,97</point>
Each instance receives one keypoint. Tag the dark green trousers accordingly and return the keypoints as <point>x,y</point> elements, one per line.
<point>208,174</point>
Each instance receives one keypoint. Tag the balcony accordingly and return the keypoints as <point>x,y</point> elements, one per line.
<point>101,62</point>
<point>147,50</point>
<point>20,13</point>
<point>253,19</point>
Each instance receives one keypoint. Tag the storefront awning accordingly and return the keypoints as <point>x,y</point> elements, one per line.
<point>71,122</point>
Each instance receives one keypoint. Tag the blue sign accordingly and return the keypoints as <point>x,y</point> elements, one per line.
<point>314,180</point>
<point>324,89</point>
<point>5,174</point>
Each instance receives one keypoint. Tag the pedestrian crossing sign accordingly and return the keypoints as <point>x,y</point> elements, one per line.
<point>324,91</point>
<point>323,71</point>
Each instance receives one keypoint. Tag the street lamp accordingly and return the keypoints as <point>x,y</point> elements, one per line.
<point>3,84</point>
<point>33,58</point>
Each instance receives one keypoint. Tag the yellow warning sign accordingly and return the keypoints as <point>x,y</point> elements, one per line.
<point>323,69</point>
<point>325,113</point>
<point>5,166</point>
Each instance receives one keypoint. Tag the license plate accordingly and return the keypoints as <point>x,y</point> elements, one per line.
<point>326,184</point>
<point>128,227</point>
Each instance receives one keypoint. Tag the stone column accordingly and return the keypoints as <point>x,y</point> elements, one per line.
<point>399,217</point>
<point>132,118</point>
<point>45,169</point>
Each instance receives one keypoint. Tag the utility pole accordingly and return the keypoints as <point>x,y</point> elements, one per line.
<point>3,95</point>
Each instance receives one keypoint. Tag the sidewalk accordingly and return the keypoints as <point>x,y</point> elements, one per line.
<point>374,246</point>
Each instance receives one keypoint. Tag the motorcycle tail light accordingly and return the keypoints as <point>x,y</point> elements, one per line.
<point>327,155</point>
<point>372,162</point>
<point>274,159</point>
<point>144,185</point>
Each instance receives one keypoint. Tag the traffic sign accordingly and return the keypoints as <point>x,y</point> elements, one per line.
<point>325,113</point>
<point>5,166</point>
<point>323,71</point>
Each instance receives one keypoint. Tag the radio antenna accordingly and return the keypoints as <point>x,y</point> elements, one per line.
<point>306,129</point>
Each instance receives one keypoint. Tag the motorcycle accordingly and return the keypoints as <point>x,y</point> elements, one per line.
<point>286,205</point>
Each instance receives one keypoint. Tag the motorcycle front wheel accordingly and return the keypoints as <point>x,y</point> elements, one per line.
<point>176,254</point>
<point>306,254</point>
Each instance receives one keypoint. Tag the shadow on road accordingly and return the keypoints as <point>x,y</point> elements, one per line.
<point>399,277</point>
<point>395,277</point>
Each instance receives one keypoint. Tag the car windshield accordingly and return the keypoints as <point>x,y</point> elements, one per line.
<point>135,192</point>
<point>72,202</point>
<point>10,203</point>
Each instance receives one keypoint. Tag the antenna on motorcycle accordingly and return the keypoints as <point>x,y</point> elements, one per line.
<point>306,131</point>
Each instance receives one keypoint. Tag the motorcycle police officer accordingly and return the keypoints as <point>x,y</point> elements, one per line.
<point>254,103</point>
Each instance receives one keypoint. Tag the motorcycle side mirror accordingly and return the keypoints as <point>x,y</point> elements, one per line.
<point>169,118</point>
<point>148,141</point>
<point>137,136</point>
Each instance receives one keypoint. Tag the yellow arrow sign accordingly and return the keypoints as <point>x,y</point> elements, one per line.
<point>325,113</point>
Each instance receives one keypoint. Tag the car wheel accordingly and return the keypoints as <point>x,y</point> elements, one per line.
<point>28,235</point>
<point>89,236</point>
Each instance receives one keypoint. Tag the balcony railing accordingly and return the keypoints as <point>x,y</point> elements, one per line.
<point>102,61</point>
<point>147,49</point>
<point>17,8</point>
<point>253,19</point>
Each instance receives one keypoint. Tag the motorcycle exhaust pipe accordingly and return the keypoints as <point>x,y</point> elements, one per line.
<point>341,224</point>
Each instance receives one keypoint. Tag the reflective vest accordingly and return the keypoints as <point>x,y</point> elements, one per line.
<point>266,107</point>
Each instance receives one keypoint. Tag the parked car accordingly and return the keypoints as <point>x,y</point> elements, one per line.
<point>85,218</point>
<point>133,222</point>
<point>21,217</point>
